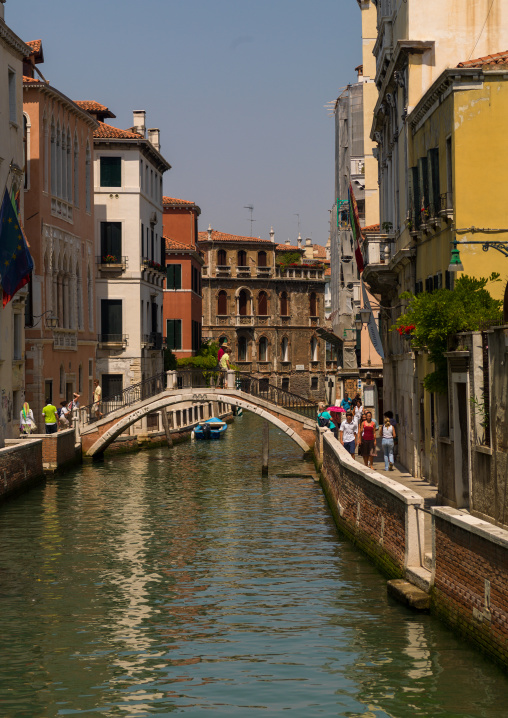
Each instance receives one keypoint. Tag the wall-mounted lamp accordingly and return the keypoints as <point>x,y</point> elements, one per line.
<point>51,322</point>
<point>455,262</point>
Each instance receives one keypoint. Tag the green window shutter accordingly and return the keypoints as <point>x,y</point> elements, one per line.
<point>170,276</point>
<point>178,276</point>
<point>111,171</point>
<point>170,333</point>
<point>434,194</point>
<point>415,195</point>
<point>423,182</point>
<point>111,239</point>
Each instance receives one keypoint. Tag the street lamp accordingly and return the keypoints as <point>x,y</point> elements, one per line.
<point>455,263</point>
<point>51,322</point>
<point>365,315</point>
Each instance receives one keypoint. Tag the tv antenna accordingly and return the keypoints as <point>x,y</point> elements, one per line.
<point>250,207</point>
<point>297,215</point>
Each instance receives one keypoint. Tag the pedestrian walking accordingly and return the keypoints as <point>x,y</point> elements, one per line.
<point>63,415</point>
<point>348,433</point>
<point>324,418</point>
<point>50,417</point>
<point>26,420</point>
<point>388,434</point>
<point>357,410</point>
<point>346,402</point>
<point>368,434</point>
<point>97,396</point>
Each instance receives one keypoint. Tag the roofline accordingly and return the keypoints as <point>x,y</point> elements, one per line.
<point>247,240</point>
<point>188,205</point>
<point>142,142</point>
<point>15,43</point>
<point>56,94</point>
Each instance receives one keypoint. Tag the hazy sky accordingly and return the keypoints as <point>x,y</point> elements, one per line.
<point>237,87</point>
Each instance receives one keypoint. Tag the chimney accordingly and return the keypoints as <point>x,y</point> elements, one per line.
<point>138,123</point>
<point>308,242</point>
<point>154,137</point>
<point>288,241</point>
<point>272,234</point>
<point>299,241</point>
<point>209,232</point>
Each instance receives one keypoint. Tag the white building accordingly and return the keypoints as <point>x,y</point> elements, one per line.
<point>128,169</point>
<point>12,335</point>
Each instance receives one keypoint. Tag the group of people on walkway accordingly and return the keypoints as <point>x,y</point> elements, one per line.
<point>357,431</point>
<point>54,418</point>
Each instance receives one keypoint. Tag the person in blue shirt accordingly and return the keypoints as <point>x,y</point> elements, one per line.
<point>346,402</point>
<point>325,418</point>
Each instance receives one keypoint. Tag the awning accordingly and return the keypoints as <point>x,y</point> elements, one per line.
<point>329,337</point>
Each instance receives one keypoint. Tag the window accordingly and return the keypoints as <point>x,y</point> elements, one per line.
<point>314,383</point>
<point>285,383</point>
<point>111,240</point>
<point>111,171</point>
<point>12,96</point>
<point>423,185</point>
<point>194,280</point>
<point>80,379</point>
<point>143,240</point>
<point>221,258</point>
<point>112,385</point>
<point>196,335</point>
<point>414,196</point>
<point>449,172</point>
<point>331,352</point>
<point>242,258</point>
<point>435,200</point>
<point>313,305</point>
<point>222,303</point>
<point>88,180</point>
<point>284,350</point>
<point>262,304</point>
<point>174,276</point>
<point>284,304</point>
<point>18,337</point>
<point>76,173</point>
<point>62,381</point>
<point>29,304</point>
<point>263,349</point>
<point>243,303</point>
<point>152,244</point>
<point>48,391</point>
<point>90,295</point>
<point>313,349</point>
<point>261,259</point>
<point>111,320</point>
<point>242,349</point>
<point>141,185</point>
<point>174,333</point>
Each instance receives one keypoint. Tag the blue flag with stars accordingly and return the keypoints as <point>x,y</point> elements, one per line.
<point>16,262</point>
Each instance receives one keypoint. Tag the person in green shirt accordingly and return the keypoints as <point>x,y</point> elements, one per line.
<point>49,414</point>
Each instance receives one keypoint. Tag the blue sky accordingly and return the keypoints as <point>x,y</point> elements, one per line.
<point>237,87</point>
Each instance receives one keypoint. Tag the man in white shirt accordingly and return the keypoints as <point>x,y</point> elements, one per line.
<point>348,433</point>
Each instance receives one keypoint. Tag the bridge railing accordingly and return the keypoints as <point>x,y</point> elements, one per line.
<point>143,390</point>
<point>261,387</point>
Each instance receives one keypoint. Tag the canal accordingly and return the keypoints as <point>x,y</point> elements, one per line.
<point>181,582</point>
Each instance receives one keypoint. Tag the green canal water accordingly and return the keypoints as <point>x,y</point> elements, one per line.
<point>182,582</point>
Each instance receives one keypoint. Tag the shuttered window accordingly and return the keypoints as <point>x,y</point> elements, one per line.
<point>174,276</point>
<point>414,195</point>
<point>111,240</point>
<point>111,171</point>
<point>174,333</point>
<point>423,183</point>
<point>433,158</point>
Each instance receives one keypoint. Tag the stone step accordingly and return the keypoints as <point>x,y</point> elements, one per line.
<point>409,595</point>
<point>427,561</point>
<point>419,576</point>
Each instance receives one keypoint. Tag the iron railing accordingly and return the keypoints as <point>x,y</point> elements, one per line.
<point>137,392</point>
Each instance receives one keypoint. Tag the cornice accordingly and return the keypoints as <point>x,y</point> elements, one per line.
<point>144,145</point>
<point>55,94</point>
<point>15,43</point>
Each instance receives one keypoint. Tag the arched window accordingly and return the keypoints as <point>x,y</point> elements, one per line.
<point>76,172</point>
<point>222,303</point>
<point>242,258</point>
<point>262,259</point>
<point>242,349</point>
<point>313,305</point>
<point>263,349</point>
<point>243,303</point>
<point>284,304</point>
<point>79,298</point>
<point>90,299</point>
<point>221,258</point>
<point>68,171</point>
<point>80,378</point>
<point>262,304</point>
<point>284,349</point>
<point>313,349</point>
<point>53,159</point>
<point>59,154</point>
<point>88,179</point>
<point>62,380</point>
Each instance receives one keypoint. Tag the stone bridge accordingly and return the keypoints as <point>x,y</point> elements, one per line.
<point>97,436</point>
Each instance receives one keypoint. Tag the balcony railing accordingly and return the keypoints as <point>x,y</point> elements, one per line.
<point>153,340</point>
<point>299,273</point>
<point>152,265</point>
<point>111,263</point>
<point>243,320</point>
<point>223,320</point>
<point>446,210</point>
<point>223,270</point>
<point>61,208</point>
<point>242,271</point>
<point>112,340</point>
<point>264,271</point>
<point>65,339</point>
<point>377,249</point>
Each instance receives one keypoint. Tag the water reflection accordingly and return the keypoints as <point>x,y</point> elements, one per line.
<point>185,582</point>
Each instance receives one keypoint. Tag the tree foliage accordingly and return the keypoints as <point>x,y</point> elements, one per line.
<point>206,357</point>
<point>287,258</point>
<point>440,315</point>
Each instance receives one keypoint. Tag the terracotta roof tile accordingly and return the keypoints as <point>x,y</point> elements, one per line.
<point>91,106</point>
<point>328,272</point>
<point>107,131</point>
<point>287,248</point>
<point>319,251</point>
<point>498,58</point>
<point>223,237</point>
<point>173,244</point>
<point>36,46</point>
<point>31,79</point>
<point>173,200</point>
<point>371,228</point>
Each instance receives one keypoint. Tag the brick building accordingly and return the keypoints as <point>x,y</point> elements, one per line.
<point>183,306</point>
<point>269,315</point>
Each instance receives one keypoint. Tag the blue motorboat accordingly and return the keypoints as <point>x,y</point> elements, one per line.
<point>212,428</point>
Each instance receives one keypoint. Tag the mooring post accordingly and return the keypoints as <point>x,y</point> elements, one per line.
<point>165,424</point>
<point>265,448</point>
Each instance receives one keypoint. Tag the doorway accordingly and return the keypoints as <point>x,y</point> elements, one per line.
<point>461,440</point>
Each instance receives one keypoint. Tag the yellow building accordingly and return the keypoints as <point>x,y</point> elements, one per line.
<point>458,180</point>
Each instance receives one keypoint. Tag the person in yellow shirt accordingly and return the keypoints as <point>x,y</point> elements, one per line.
<point>50,417</point>
<point>97,394</point>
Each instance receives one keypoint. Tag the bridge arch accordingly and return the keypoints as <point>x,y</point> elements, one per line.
<point>118,422</point>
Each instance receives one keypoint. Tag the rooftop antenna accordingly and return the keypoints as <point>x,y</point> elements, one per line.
<point>250,207</point>
<point>297,215</point>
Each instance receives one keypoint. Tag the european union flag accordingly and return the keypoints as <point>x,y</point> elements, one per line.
<point>16,263</point>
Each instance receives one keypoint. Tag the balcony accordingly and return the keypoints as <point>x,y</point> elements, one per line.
<point>65,339</point>
<point>263,319</point>
<point>152,341</point>
<point>112,341</point>
<point>244,320</point>
<point>299,273</point>
<point>152,265</point>
<point>110,263</point>
<point>242,272</point>
<point>378,252</point>
<point>222,270</point>
<point>61,208</point>
<point>314,321</point>
<point>264,367</point>
<point>285,320</point>
<point>223,320</point>
<point>264,271</point>
<point>446,210</point>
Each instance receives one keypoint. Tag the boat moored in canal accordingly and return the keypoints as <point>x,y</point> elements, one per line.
<point>212,428</point>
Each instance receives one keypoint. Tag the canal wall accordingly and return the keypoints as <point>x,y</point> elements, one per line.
<point>59,451</point>
<point>20,465</point>
<point>376,513</point>
<point>470,579</point>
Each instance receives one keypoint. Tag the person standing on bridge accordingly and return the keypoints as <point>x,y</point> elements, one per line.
<point>97,395</point>
<point>224,364</point>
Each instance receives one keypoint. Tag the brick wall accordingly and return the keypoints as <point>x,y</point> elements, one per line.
<point>375,512</point>
<point>471,579</point>
<point>58,449</point>
<point>20,465</point>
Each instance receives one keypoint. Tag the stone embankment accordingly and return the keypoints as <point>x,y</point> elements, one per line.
<point>464,579</point>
